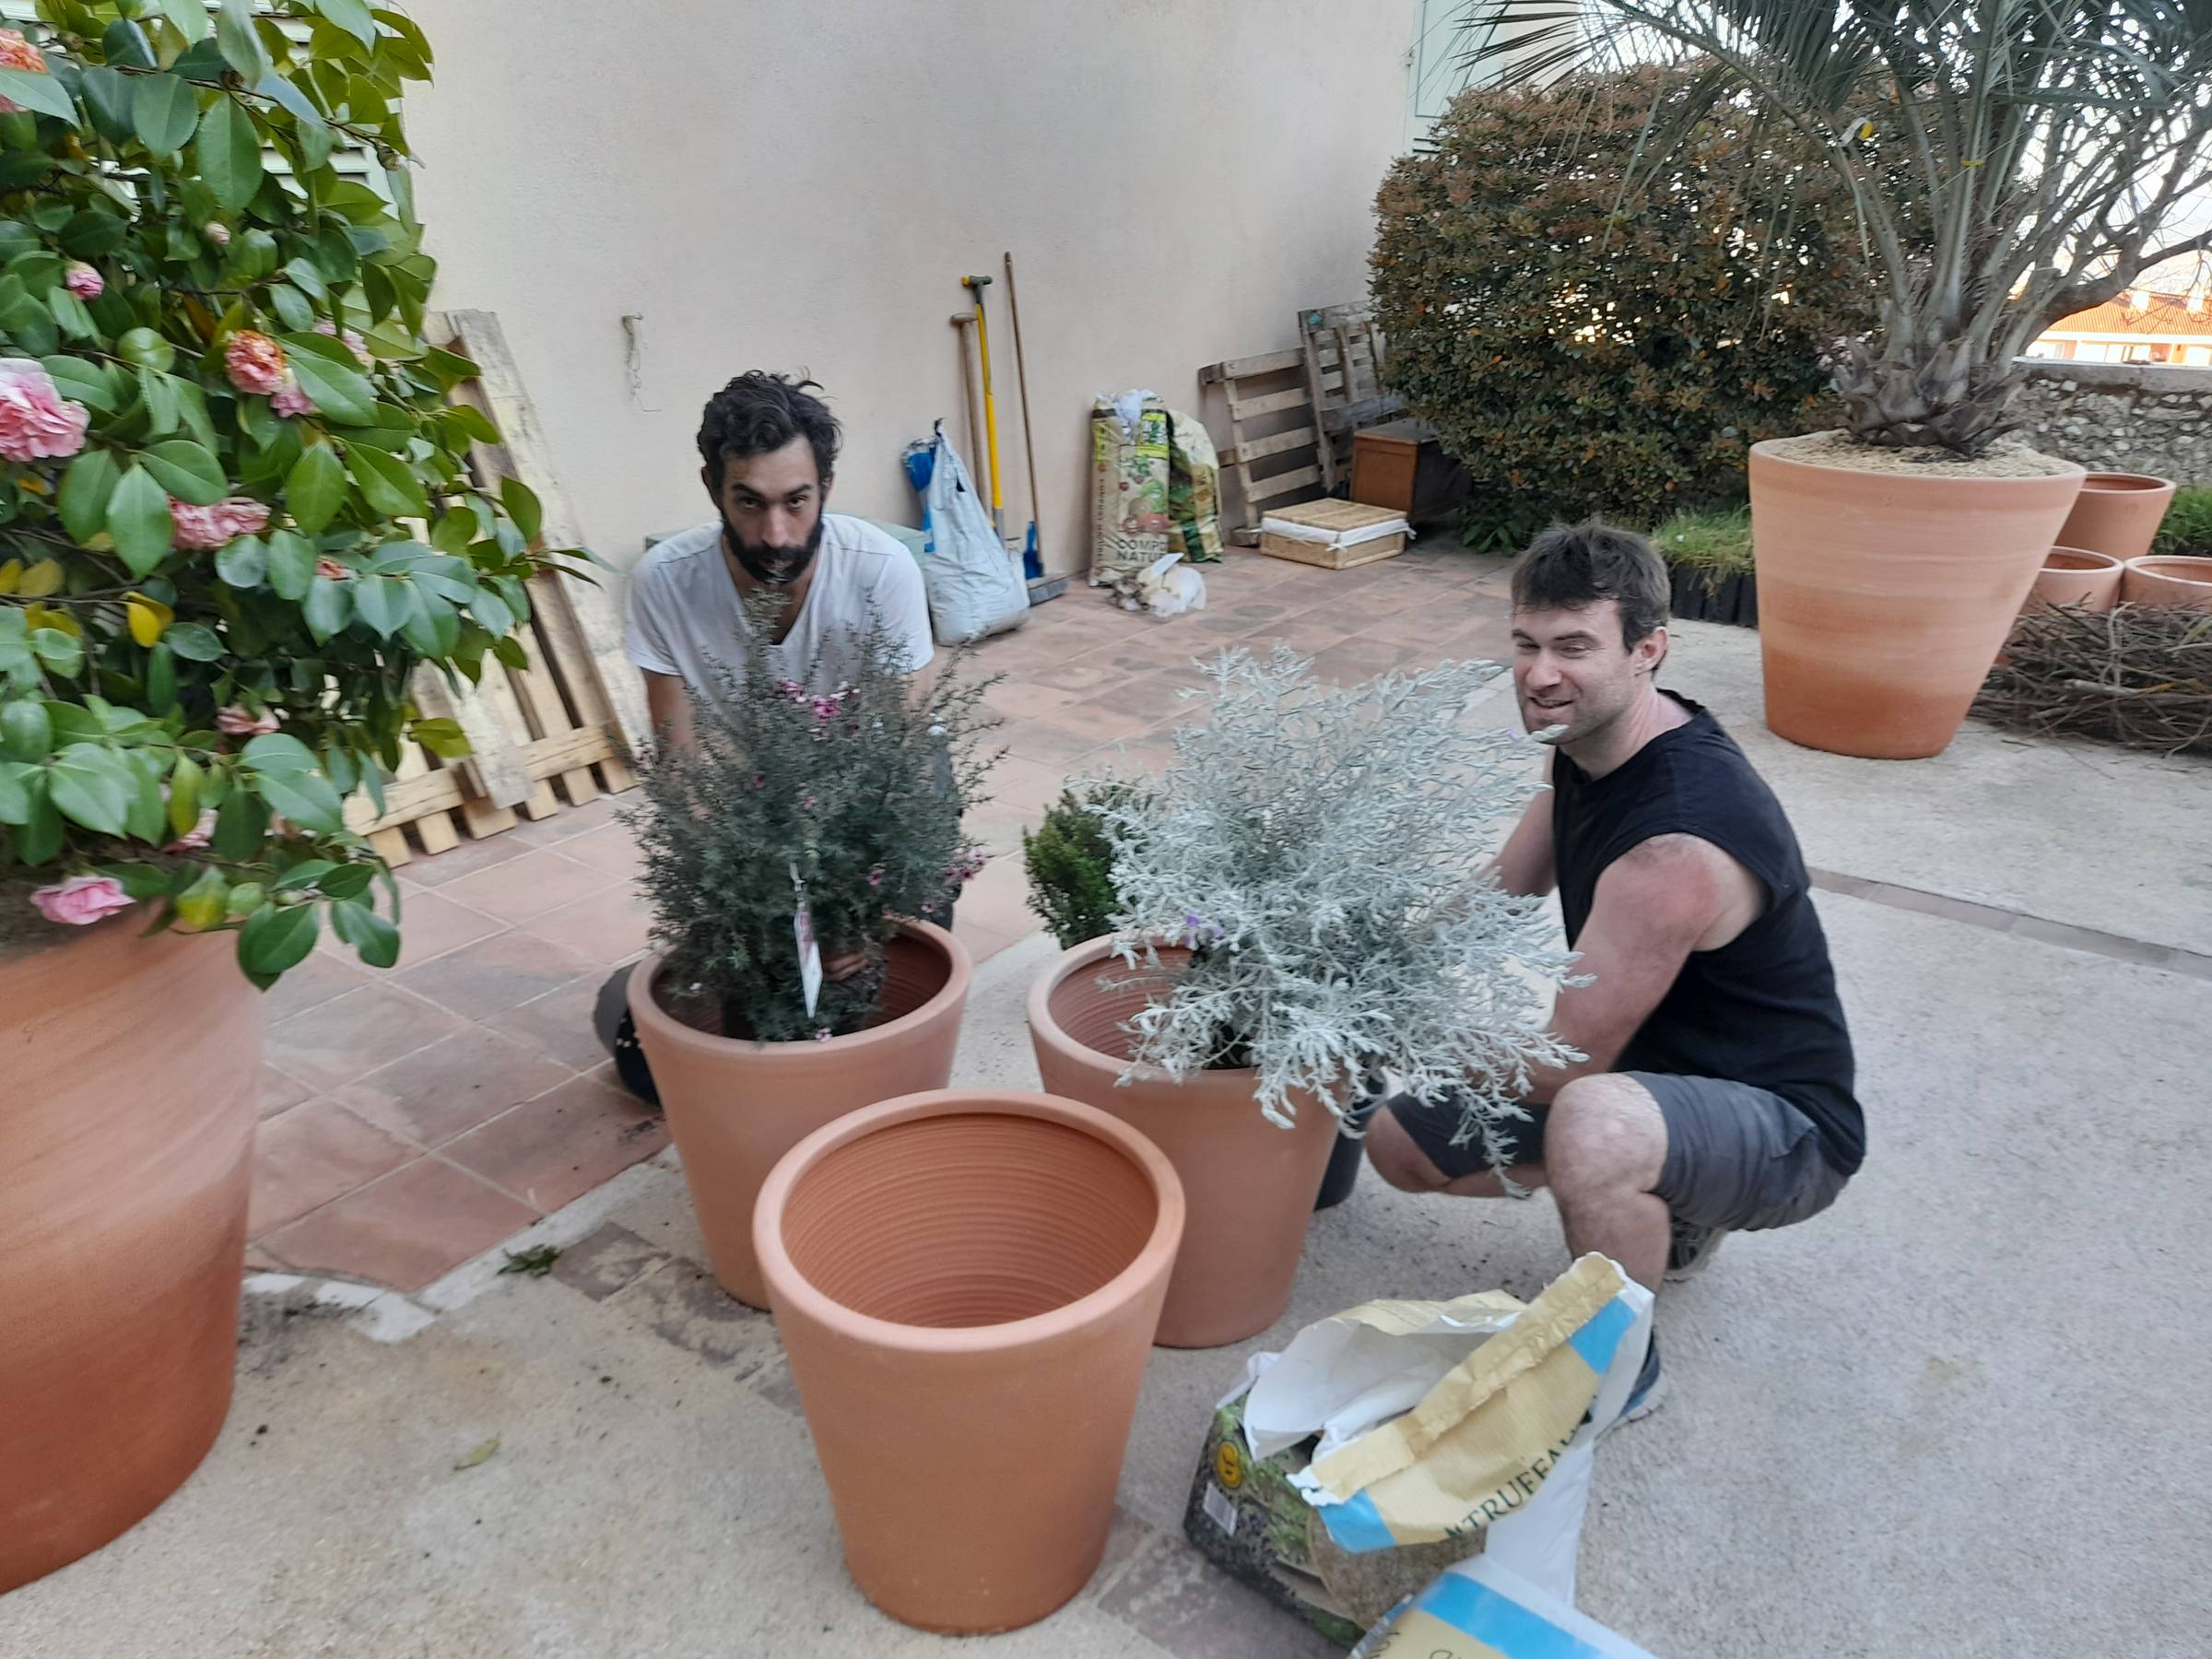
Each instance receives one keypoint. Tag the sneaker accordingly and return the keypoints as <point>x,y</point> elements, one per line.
<point>1650,1392</point>
<point>1690,1248</point>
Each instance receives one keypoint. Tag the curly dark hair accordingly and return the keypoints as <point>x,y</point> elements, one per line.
<point>758,412</point>
<point>1571,566</point>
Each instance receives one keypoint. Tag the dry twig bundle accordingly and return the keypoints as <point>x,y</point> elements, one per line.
<point>2138,675</point>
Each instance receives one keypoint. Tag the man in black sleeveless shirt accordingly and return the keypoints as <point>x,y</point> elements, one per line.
<point>1716,1093</point>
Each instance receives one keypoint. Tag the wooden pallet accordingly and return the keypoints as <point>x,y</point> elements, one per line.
<point>1270,421</point>
<point>571,715</point>
<point>1343,354</point>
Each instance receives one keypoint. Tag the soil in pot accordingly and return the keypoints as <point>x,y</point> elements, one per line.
<point>2080,577</point>
<point>2117,514</point>
<point>967,1286</point>
<point>734,1107</point>
<point>2182,580</point>
<point>1251,1184</point>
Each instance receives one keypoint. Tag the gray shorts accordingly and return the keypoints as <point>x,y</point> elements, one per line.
<point>1738,1157</point>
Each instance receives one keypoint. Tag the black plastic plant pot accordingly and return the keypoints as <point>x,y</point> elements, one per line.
<point>1732,599</point>
<point>1346,1155</point>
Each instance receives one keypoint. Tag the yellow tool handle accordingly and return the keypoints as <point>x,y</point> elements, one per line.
<point>983,345</point>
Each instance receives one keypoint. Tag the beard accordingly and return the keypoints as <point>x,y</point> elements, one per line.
<point>768,564</point>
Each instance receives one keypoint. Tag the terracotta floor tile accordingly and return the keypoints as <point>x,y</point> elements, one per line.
<point>439,870</point>
<point>999,900</point>
<point>260,1261</point>
<point>521,888</point>
<point>353,1034</point>
<point>320,978</point>
<point>310,1155</point>
<point>983,943</point>
<point>411,1227</point>
<point>1026,788</point>
<point>572,821</point>
<point>451,1086</point>
<point>431,924</point>
<point>494,974</point>
<point>1035,741</point>
<point>1079,674</point>
<point>612,849</point>
<point>1099,719</point>
<point>558,1024</point>
<point>560,1146</point>
<point>281,1093</point>
<point>605,927</point>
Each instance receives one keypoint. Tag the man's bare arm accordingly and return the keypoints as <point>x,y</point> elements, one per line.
<point>669,705</point>
<point>1523,865</point>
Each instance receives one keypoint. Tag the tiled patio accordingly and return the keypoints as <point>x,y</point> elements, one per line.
<point>412,1119</point>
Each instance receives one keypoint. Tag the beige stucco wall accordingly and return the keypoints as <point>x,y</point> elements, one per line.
<point>801,183</point>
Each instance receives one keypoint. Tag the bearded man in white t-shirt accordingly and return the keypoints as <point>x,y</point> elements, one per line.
<point>767,449</point>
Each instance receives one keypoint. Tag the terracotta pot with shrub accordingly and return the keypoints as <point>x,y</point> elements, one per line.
<point>213,598</point>
<point>800,812</point>
<point>1286,936</point>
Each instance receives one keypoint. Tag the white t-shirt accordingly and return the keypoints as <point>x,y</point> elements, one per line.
<point>687,620</point>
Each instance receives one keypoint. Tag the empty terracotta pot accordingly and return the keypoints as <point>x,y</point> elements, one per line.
<point>126,1136</point>
<point>1883,596</point>
<point>966,1286</point>
<point>2175,579</point>
<point>2076,576</point>
<point>2117,514</point>
<point>1251,1184</point>
<point>734,1107</point>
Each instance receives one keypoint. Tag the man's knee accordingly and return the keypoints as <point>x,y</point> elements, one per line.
<point>1399,1159</point>
<point>1605,1133</point>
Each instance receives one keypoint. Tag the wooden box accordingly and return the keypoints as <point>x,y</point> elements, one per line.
<point>1384,464</point>
<point>1352,533</point>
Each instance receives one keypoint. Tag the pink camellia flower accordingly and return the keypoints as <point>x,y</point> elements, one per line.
<point>288,401</point>
<point>217,235</point>
<point>203,529</point>
<point>83,282</point>
<point>82,899</point>
<point>15,53</point>
<point>875,877</point>
<point>235,720</point>
<point>37,423</point>
<point>198,836</point>
<point>255,361</point>
<point>820,1036</point>
<point>354,343</point>
<point>332,570</point>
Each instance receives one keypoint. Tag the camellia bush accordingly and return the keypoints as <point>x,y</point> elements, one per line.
<point>1588,348</point>
<point>235,516</point>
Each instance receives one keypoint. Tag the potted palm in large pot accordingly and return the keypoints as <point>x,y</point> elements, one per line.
<point>217,414</point>
<point>1300,911</point>
<point>793,853</point>
<point>2008,162</point>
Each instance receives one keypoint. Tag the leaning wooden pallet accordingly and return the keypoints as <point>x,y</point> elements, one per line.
<point>1258,388</point>
<point>1343,353</point>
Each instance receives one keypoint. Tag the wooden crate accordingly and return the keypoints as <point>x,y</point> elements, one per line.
<point>1335,517</point>
<point>571,716</point>
<point>1384,464</point>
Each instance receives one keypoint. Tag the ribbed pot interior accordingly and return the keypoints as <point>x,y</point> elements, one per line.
<point>1093,1016</point>
<point>913,972</point>
<point>970,1219</point>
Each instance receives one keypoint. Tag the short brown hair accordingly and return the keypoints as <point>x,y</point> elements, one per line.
<point>1572,566</point>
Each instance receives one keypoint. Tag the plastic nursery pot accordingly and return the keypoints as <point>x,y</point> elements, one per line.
<point>2076,576</point>
<point>734,1106</point>
<point>2117,514</point>
<point>1251,1184</point>
<point>1345,1156</point>
<point>126,1139</point>
<point>2182,580</point>
<point>966,1285</point>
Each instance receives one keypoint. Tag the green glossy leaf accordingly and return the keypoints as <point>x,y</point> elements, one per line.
<point>278,752</point>
<point>352,16</point>
<point>383,602</point>
<point>83,380</point>
<point>306,280</point>
<point>206,902</point>
<point>70,315</point>
<point>293,309</point>
<point>241,823</point>
<point>194,642</point>
<point>328,609</point>
<point>244,562</point>
<point>43,93</point>
<point>291,564</point>
<point>108,95</point>
<point>302,874</point>
<point>86,488</point>
<point>472,422</point>
<point>92,786</point>
<point>138,518</point>
<point>339,392</point>
<point>40,839</point>
<point>26,731</point>
<point>444,738</point>
<point>186,471</point>
<point>185,780</point>
<point>146,818</point>
<point>308,799</point>
<point>350,881</point>
<point>15,792</point>
<point>166,112</point>
<point>491,612</point>
<point>229,153</point>
<point>126,43</point>
<point>163,407</point>
<point>522,505</point>
<point>240,46</point>
<point>276,939</point>
<point>160,679</point>
<point>510,651</point>
<point>387,483</point>
<point>316,487</point>
<point>189,17</point>
<point>375,940</point>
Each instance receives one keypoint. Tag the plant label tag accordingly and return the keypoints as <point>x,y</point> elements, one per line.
<point>811,951</point>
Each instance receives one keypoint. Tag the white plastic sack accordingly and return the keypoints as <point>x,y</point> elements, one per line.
<point>974,584</point>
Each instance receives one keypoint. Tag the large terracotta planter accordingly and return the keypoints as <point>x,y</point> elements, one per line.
<point>966,1286</point>
<point>1883,596</point>
<point>2174,579</point>
<point>1250,1184</point>
<point>2078,577</point>
<point>735,1107</point>
<point>2117,514</point>
<point>126,1132</point>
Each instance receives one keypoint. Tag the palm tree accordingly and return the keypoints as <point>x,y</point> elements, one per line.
<point>2010,161</point>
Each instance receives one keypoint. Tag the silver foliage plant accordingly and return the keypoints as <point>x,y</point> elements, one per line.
<point>1318,851</point>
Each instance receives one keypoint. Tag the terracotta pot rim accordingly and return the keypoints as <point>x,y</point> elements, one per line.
<point>2159,565</point>
<point>1065,967</point>
<point>788,1286</point>
<point>2126,483</point>
<point>1763,453</point>
<point>646,1010</point>
<point>2098,561</point>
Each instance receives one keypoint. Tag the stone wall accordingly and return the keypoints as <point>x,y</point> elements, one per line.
<point>2143,418</point>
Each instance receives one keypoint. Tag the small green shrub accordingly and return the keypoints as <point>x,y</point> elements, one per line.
<point>2188,524</point>
<point>1714,543</point>
<point>1070,865</point>
<point>1586,351</point>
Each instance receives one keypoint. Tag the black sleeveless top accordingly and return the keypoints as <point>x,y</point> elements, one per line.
<point>1762,1009</point>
